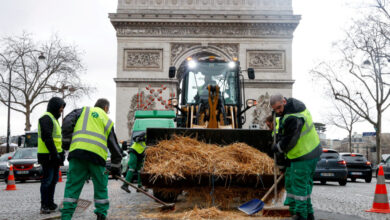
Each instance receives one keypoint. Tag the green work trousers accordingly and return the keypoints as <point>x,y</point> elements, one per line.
<point>287,184</point>
<point>79,172</point>
<point>136,162</point>
<point>299,185</point>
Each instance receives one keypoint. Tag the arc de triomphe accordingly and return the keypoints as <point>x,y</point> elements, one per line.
<point>153,35</point>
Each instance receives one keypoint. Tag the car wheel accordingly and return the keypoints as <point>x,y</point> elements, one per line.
<point>343,182</point>
<point>22,181</point>
<point>353,179</point>
<point>323,182</point>
<point>368,179</point>
<point>6,180</point>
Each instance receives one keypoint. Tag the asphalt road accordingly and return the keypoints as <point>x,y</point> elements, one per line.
<point>331,201</point>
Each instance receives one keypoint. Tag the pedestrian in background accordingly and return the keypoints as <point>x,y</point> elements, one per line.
<point>50,153</point>
<point>298,139</point>
<point>136,161</point>
<point>89,134</point>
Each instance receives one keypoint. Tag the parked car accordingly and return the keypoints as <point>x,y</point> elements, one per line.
<point>386,168</point>
<point>358,167</point>
<point>4,162</point>
<point>25,163</point>
<point>331,167</point>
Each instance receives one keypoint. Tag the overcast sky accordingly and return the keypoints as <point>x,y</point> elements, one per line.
<point>86,24</point>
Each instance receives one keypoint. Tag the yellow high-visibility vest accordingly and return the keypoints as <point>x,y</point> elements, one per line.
<point>56,134</point>
<point>139,146</point>
<point>308,139</point>
<point>91,131</point>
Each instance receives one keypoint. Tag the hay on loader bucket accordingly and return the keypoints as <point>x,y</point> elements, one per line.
<point>183,156</point>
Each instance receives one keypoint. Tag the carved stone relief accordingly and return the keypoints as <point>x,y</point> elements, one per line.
<point>143,59</point>
<point>205,4</point>
<point>230,49</point>
<point>204,30</point>
<point>178,49</point>
<point>266,60</point>
<point>262,111</point>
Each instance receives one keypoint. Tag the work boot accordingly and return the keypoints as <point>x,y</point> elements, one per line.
<point>100,216</point>
<point>310,216</point>
<point>298,217</point>
<point>53,207</point>
<point>125,188</point>
<point>45,210</point>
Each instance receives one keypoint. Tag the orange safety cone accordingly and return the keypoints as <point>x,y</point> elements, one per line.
<point>59,176</point>
<point>11,179</point>
<point>381,201</point>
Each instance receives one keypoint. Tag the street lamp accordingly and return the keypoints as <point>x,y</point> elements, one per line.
<point>41,57</point>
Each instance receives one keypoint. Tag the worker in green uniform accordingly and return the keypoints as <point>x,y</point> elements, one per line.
<point>298,139</point>
<point>136,160</point>
<point>89,134</point>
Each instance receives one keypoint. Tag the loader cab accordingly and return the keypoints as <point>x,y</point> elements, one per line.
<point>211,82</point>
<point>200,74</point>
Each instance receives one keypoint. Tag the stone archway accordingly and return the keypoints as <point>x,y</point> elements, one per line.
<point>224,51</point>
<point>153,35</point>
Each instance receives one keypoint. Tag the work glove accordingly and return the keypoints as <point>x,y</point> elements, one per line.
<point>55,159</point>
<point>282,161</point>
<point>115,171</point>
<point>275,148</point>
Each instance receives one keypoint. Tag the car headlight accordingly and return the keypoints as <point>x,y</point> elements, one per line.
<point>36,165</point>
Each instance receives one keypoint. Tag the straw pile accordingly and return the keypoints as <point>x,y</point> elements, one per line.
<point>184,156</point>
<point>198,213</point>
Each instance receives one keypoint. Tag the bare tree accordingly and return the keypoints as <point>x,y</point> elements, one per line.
<point>360,78</point>
<point>345,118</point>
<point>39,71</point>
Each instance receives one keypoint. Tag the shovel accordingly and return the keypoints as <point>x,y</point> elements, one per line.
<point>165,206</point>
<point>256,205</point>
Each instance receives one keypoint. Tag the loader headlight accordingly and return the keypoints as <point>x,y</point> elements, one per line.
<point>172,102</point>
<point>191,64</point>
<point>251,103</point>
<point>232,64</point>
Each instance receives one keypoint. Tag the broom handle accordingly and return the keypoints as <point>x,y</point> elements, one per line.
<point>274,141</point>
<point>143,191</point>
<point>272,187</point>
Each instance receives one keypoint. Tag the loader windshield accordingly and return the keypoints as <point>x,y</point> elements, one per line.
<point>210,73</point>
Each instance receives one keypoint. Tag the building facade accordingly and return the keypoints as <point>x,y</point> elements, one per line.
<point>153,35</point>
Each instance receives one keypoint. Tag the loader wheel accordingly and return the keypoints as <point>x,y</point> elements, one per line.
<point>168,197</point>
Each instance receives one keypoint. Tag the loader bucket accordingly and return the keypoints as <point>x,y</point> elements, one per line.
<point>259,139</point>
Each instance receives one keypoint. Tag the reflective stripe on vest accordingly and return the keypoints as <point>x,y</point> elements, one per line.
<point>139,147</point>
<point>56,134</point>
<point>91,132</point>
<point>308,139</point>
